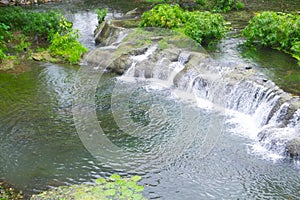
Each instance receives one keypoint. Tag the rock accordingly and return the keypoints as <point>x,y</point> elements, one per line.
<point>43,56</point>
<point>134,12</point>
<point>121,64</point>
<point>293,147</point>
<point>106,34</point>
<point>4,2</point>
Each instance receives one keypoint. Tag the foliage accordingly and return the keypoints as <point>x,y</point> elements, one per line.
<point>28,26</point>
<point>115,187</point>
<point>65,44</point>
<point>101,14</point>
<point>38,24</point>
<point>165,16</point>
<point>276,30</point>
<point>4,36</point>
<point>204,27</point>
<point>226,5</point>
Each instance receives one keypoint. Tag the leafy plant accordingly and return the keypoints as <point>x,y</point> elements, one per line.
<point>276,30</point>
<point>226,5</point>
<point>101,14</point>
<point>34,24</point>
<point>67,47</point>
<point>164,15</point>
<point>4,36</point>
<point>204,27</point>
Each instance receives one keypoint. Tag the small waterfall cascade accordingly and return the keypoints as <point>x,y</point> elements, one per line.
<point>275,113</point>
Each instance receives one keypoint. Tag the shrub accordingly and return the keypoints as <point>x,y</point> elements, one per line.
<point>276,30</point>
<point>226,5</point>
<point>38,24</point>
<point>204,27</point>
<point>4,36</point>
<point>65,44</point>
<point>2,55</point>
<point>165,16</point>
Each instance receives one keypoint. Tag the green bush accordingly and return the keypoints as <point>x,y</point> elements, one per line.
<point>226,5</point>
<point>27,25</point>
<point>204,27</point>
<point>276,30</point>
<point>165,16</point>
<point>65,44</point>
<point>4,37</point>
<point>67,47</point>
<point>33,24</point>
<point>2,55</point>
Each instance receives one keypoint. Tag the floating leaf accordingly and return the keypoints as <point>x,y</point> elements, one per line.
<point>136,178</point>
<point>100,181</point>
<point>110,192</point>
<point>114,177</point>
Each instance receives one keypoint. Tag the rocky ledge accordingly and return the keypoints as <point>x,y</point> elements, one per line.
<point>152,53</point>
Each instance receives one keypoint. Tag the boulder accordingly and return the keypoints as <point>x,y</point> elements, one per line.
<point>106,34</point>
<point>293,147</point>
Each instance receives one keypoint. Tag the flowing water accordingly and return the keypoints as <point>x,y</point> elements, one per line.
<point>182,143</point>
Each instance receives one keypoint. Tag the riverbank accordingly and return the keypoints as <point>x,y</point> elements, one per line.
<point>8,192</point>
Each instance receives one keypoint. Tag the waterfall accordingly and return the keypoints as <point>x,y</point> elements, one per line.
<point>272,110</point>
<point>275,113</point>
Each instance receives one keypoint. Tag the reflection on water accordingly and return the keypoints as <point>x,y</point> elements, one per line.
<point>279,67</point>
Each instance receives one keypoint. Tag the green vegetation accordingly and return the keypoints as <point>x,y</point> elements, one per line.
<point>9,193</point>
<point>276,30</point>
<point>65,44</point>
<point>164,16</point>
<point>20,29</point>
<point>204,27</point>
<point>225,5</point>
<point>101,14</point>
<point>222,6</point>
<point>113,188</point>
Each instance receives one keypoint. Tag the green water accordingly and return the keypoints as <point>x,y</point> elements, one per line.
<point>40,147</point>
<point>279,67</point>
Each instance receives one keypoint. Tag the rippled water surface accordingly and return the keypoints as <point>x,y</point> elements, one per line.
<point>40,146</point>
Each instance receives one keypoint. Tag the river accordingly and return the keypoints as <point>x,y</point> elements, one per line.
<point>41,147</point>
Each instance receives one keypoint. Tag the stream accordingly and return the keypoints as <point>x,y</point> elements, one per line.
<point>166,142</point>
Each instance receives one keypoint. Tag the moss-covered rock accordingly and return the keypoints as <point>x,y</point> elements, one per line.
<point>113,188</point>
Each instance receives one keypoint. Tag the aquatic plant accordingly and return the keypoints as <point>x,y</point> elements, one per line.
<point>115,187</point>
